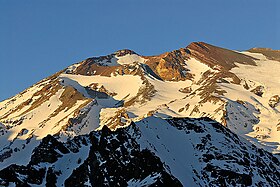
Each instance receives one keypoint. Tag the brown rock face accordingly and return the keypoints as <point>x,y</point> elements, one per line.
<point>278,127</point>
<point>90,67</point>
<point>93,66</point>
<point>274,100</point>
<point>216,57</point>
<point>170,66</point>
<point>269,53</point>
<point>259,90</point>
<point>124,52</point>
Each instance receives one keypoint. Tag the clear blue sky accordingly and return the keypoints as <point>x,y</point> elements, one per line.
<point>41,37</point>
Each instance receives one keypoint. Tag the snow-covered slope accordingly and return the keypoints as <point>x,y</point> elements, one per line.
<point>257,113</point>
<point>240,90</point>
<point>151,152</point>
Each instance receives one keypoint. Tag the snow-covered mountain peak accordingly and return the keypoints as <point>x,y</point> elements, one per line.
<point>124,52</point>
<point>203,83</point>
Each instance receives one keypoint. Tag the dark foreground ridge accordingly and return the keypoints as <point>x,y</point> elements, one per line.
<point>139,155</point>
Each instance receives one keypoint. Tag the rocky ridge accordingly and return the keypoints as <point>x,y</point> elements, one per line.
<point>139,155</point>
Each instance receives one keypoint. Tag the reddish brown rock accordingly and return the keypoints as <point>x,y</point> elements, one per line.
<point>216,57</point>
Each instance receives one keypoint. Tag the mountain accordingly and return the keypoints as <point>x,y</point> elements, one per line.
<point>197,116</point>
<point>147,153</point>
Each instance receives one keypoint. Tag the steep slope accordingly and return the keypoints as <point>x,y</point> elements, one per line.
<point>218,58</point>
<point>257,112</point>
<point>200,80</point>
<point>269,53</point>
<point>154,152</point>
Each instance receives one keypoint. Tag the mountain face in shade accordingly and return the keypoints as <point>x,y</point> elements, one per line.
<point>154,152</point>
<point>197,116</point>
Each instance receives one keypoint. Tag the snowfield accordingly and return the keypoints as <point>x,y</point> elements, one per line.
<point>264,74</point>
<point>115,84</point>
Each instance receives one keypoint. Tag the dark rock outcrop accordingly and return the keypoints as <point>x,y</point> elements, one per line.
<point>118,158</point>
